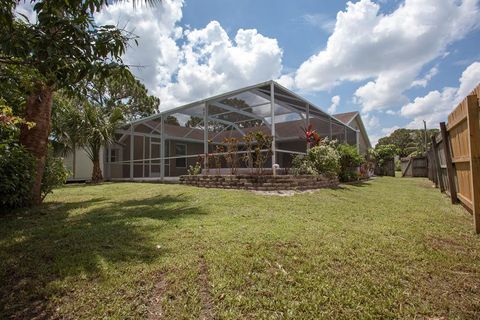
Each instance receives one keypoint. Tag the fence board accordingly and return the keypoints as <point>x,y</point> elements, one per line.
<point>448,161</point>
<point>473,120</point>
<point>437,169</point>
<point>456,156</point>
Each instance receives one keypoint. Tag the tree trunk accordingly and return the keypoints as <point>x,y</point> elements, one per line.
<point>97,176</point>
<point>35,140</point>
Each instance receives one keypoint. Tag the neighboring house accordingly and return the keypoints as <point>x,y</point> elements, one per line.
<point>83,165</point>
<point>137,153</point>
<point>354,120</point>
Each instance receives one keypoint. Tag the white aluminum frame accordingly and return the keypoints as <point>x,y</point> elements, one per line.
<point>306,109</point>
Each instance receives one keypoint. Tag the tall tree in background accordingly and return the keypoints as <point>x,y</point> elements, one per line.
<point>99,130</point>
<point>407,141</point>
<point>67,124</point>
<point>109,102</point>
<point>89,118</point>
<point>63,47</point>
<point>194,122</point>
<point>120,91</point>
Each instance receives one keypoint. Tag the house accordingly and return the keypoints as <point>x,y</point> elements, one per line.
<point>164,145</point>
<point>354,120</point>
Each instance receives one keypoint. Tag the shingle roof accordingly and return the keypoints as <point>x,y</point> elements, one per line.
<point>346,117</point>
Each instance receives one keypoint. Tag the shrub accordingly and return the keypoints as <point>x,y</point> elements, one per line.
<point>323,159</point>
<point>398,165</point>
<point>255,142</point>
<point>301,166</point>
<point>194,170</point>
<point>383,153</point>
<point>350,160</point>
<point>17,171</point>
<point>55,174</point>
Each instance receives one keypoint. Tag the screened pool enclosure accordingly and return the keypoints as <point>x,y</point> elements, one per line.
<point>166,144</point>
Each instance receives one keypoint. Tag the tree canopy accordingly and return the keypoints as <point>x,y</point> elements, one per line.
<point>408,141</point>
<point>60,49</point>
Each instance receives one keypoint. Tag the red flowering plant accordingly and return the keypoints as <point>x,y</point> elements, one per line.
<point>311,136</point>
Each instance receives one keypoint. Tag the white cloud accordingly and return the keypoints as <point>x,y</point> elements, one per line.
<point>435,106</point>
<point>287,80</point>
<point>157,55</point>
<point>390,112</point>
<point>321,21</point>
<point>424,81</point>
<point>374,139</point>
<point>389,50</point>
<point>208,61</point>
<point>469,80</point>
<point>370,121</point>
<point>212,63</point>
<point>333,107</point>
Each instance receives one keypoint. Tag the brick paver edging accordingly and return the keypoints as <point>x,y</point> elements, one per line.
<point>262,183</point>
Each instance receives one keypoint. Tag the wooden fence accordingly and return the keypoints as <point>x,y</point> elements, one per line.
<point>388,168</point>
<point>414,167</point>
<point>455,156</point>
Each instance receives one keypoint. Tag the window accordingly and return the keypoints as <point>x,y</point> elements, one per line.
<point>114,155</point>
<point>180,150</point>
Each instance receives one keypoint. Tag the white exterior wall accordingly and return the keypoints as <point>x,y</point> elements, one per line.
<point>84,165</point>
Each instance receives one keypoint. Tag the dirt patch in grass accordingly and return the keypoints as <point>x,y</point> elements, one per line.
<point>447,244</point>
<point>282,193</point>
<point>205,294</point>
<point>424,183</point>
<point>155,310</point>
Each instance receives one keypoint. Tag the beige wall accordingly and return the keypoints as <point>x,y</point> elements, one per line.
<point>192,148</point>
<point>83,165</point>
<point>363,142</point>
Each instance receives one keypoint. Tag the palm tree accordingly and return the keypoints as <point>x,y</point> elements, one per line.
<point>99,130</point>
<point>63,47</point>
<point>67,123</point>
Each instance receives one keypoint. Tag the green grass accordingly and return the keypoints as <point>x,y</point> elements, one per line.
<point>389,248</point>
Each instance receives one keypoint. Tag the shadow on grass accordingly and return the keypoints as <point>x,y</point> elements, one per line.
<point>60,240</point>
<point>355,184</point>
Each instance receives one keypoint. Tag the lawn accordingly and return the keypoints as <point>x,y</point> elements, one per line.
<point>388,248</point>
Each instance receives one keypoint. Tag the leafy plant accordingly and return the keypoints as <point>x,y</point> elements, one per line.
<point>350,161</point>
<point>217,158</point>
<point>55,174</point>
<point>98,130</point>
<point>382,153</point>
<point>17,171</point>
<point>323,159</point>
<point>62,47</point>
<point>312,137</point>
<point>231,156</point>
<point>408,140</point>
<point>398,165</point>
<point>194,170</point>
<point>10,123</point>
<point>301,166</point>
<point>248,156</point>
<point>259,149</point>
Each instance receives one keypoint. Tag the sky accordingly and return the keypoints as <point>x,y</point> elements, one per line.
<point>397,62</point>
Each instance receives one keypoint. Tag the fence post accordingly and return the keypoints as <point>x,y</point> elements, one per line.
<point>436,160</point>
<point>448,160</point>
<point>474,147</point>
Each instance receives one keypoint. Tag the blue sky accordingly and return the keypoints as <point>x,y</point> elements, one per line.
<point>397,62</point>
